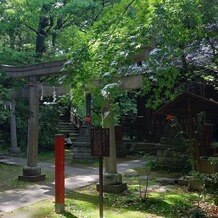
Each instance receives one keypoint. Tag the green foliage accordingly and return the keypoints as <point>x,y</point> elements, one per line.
<point>12,57</point>
<point>22,24</point>
<point>48,120</point>
<point>213,160</point>
<point>104,39</point>
<point>22,112</point>
<point>209,181</point>
<point>165,35</point>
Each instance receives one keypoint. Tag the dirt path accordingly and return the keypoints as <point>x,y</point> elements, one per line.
<point>76,177</point>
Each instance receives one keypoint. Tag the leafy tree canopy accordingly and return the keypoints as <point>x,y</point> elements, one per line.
<point>174,40</point>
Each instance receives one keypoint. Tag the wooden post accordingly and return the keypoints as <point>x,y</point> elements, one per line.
<point>101,199</point>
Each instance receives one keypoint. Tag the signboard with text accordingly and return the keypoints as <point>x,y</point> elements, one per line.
<point>100,142</point>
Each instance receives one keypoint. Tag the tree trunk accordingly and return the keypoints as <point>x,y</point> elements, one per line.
<point>41,36</point>
<point>44,22</point>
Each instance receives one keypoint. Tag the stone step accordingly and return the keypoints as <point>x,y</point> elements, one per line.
<point>82,144</point>
<point>69,131</point>
<point>64,127</point>
<point>67,126</point>
<point>167,181</point>
<point>65,122</point>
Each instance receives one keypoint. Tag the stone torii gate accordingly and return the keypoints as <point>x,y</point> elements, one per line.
<point>32,172</point>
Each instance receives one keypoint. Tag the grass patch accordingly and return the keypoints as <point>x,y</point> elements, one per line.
<point>46,157</point>
<point>9,178</point>
<point>83,203</point>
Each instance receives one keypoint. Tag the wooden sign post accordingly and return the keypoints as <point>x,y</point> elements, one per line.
<point>100,147</point>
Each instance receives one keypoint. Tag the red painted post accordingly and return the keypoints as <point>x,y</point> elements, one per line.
<point>59,173</point>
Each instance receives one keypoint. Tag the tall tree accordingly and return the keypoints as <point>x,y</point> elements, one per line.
<point>22,21</point>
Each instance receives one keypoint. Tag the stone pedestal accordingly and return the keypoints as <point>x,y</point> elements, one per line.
<point>113,183</point>
<point>116,188</point>
<point>112,178</point>
<point>14,152</point>
<point>32,174</point>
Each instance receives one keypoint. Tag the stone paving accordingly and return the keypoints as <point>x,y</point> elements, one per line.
<point>75,177</point>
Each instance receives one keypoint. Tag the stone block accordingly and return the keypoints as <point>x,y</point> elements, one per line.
<point>15,152</point>
<point>167,181</point>
<point>184,181</point>
<point>37,178</point>
<point>32,174</point>
<point>117,188</point>
<point>112,178</point>
<point>31,171</point>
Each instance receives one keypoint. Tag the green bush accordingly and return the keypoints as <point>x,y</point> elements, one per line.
<point>48,121</point>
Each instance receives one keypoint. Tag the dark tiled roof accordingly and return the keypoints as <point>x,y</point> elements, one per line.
<point>188,103</point>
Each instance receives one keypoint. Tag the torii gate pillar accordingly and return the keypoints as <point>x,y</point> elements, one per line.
<point>15,150</point>
<point>31,172</point>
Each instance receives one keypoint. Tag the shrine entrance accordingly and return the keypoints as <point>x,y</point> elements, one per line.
<point>32,172</point>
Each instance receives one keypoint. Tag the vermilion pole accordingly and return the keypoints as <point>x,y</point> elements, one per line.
<point>59,173</point>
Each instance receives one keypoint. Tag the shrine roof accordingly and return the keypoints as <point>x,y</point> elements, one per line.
<point>188,103</point>
<point>40,69</point>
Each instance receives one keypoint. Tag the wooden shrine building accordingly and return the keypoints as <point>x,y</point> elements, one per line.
<point>186,108</point>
